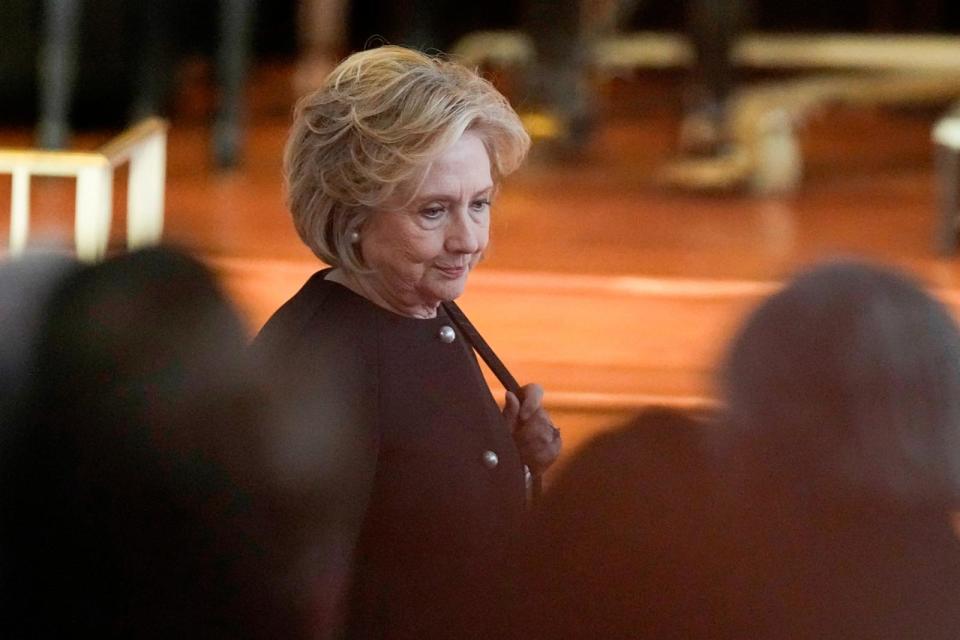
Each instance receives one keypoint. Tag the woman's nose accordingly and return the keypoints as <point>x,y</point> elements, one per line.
<point>464,235</point>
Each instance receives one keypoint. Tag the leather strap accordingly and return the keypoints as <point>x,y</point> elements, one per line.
<point>463,324</point>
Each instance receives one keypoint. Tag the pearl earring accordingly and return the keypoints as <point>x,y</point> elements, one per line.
<point>354,236</point>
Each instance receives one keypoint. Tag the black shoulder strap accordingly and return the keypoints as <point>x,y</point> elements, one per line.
<point>480,345</point>
<point>456,315</point>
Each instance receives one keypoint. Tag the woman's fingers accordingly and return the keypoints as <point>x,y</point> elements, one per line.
<point>511,410</point>
<point>532,399</point>
<point>537,430</point>
<point>539,441</point>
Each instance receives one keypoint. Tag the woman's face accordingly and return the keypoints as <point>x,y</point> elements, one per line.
<point>422,253</point>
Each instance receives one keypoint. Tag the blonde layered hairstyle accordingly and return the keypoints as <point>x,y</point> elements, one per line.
<point>370,133</point>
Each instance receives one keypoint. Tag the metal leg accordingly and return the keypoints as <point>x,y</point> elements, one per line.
<point>58,70</point>
<point>714,27</point>
<point>948,174</point>
<point>557,83</point>
<point>414,24</point>
<point>236,21</point>
<point>154,61</point>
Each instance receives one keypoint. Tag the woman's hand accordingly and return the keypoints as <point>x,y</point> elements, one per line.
<point>537,439</point>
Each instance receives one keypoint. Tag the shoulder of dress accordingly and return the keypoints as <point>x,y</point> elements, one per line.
<point>294,316</point>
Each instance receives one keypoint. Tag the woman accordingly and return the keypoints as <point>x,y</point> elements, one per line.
<point>391,168</point>
<point>843,392</point>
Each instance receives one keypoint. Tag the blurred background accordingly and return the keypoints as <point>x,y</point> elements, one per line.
<point>687,156</point>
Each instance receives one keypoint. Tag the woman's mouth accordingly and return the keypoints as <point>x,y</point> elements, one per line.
<point>451,271</point>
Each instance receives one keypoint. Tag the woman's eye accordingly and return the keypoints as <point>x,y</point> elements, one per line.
<point>431,213</point>
<point>479,205</point>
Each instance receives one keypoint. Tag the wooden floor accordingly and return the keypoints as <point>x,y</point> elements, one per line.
<point>607,289</point>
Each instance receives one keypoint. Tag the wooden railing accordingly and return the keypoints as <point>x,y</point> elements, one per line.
<point>144,146</point>
<point>946,138</point>
<point>816,51</point>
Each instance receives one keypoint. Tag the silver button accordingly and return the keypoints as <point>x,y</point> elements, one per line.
<point>490,459</point>
<point>447,334</point>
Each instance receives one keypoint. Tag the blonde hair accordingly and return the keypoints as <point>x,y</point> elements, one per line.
<point>372,130</point>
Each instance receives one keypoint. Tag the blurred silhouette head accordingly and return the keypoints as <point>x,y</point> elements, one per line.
<point>25,286</point>
<point>846,385</point>
<point>844,399</point>
<point>624,544</point>
<point>141,496</point>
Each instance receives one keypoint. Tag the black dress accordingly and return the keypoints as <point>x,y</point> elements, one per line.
<point>447,493</point>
